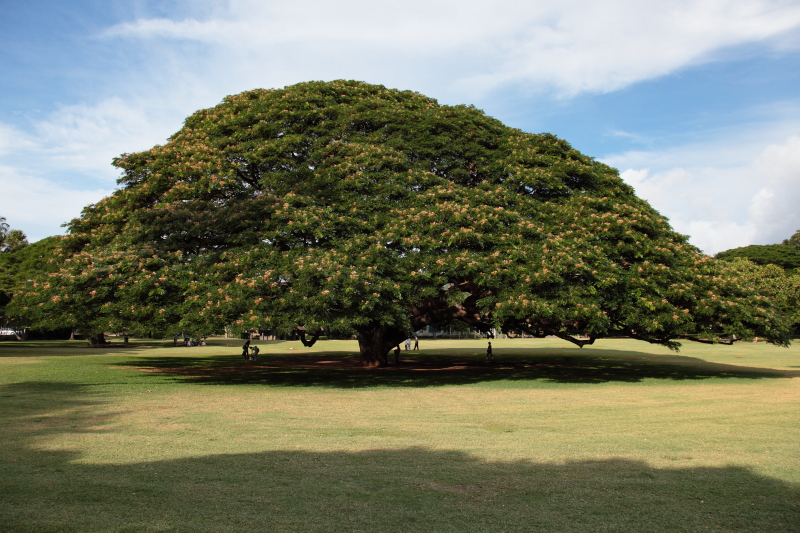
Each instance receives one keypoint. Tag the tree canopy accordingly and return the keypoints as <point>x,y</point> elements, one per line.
<point>782,255</point>
<point>345,207</point>
<point>780,286</point>
<point>20,264</point>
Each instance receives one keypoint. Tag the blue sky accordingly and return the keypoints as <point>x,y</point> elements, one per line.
<point>697,103</point>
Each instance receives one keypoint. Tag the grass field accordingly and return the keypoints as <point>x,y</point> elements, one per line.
<point>620,436</point>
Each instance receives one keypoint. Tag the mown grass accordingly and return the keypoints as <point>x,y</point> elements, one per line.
<point>620,436</point>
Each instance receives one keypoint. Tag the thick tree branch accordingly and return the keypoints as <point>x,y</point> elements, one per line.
<point>247,179</point>
<point>439,311</point>
<point>709,341</point>
<point>663,341</point>
<point>579,342</point>
<point>308,343</point>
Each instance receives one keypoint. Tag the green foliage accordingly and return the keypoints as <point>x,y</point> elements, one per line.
<point>771,281</point>
<point>14,266</point>
<point>348,207</point>
<point>104,292</point>
<point>793,241</point>
<point>22,264</point>
<point>768,254</point>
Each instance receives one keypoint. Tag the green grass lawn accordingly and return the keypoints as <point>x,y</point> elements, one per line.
<point>619,436</point>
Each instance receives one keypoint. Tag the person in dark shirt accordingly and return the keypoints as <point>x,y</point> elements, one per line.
<point>245,349</point>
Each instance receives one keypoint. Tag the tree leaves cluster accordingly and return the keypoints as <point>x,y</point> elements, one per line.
<point>781,287</point>
<point>774,271</point>
<point>19,266</point>
<point>346,207</point>
<point>782,255</point>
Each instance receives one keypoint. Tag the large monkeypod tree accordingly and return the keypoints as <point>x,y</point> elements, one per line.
<point>345,207</point>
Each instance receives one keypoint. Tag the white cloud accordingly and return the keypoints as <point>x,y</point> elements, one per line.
<point>570,46</point>
<point>713,236</point>
<point>731,193</point>
<point>37,206</point>
<point>63,163</point>
<point>85,138</point>
<point>11,140</point>
<point>774,209</point>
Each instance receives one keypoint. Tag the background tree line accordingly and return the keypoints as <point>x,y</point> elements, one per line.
<point>774,269</point>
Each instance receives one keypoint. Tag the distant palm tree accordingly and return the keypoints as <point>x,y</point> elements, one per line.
<point>4,227</point>
<point>11,239</point>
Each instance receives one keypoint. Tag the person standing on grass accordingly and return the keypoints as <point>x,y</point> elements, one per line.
<point>408,344</point>
<point>489,355</point>
<point>397,355</point>
<point>416,342</point>
<point>245,349</point>
<point>254,353</point>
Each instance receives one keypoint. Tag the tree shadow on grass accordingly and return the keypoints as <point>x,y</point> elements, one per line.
<point>408,489</point>
<point>76,348</point>
<point>445,367</point>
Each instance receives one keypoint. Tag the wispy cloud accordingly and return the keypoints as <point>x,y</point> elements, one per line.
<point>570,46</point>
<point>63,163</point>
<point>12,140</point>
<point>40,206</point>
<point>87,137</point>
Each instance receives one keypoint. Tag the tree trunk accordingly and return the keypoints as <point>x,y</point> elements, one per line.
<point>375,342</point>
<point>99,339</point>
